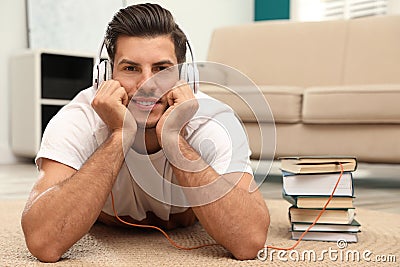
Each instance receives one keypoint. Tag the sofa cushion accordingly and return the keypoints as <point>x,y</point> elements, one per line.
<point>372,53</point>
<point>352,104</point>
<point>285,102</point>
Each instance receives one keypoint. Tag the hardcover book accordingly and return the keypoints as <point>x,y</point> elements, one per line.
<point>317,184</point>
<point>327,236</point>
<point>354,227</point>
<point>318,164</point>
<point>333,216</point>
<point>318,202</point>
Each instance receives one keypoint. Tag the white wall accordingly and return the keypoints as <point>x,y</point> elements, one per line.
<point>306,10</point>
<point>69,24</point>
<point>14,38</point>
<point>198,18</point>
<point>393,7</point>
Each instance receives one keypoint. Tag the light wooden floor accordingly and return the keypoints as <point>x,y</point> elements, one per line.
<point>376,188</point>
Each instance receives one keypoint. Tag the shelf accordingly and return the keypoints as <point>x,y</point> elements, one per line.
<point>54,102</point>
<point>50,80</point>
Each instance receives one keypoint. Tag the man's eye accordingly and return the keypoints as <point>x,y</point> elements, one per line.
<point>159,68</point>
<point>130,68</point>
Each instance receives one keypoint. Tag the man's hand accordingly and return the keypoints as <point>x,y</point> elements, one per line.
<point>110,103</point>
<point>182,107</point>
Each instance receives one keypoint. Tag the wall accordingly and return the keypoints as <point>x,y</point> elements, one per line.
<point>198,19</point>
<point>393,7</point>
<point>54,24</point>
<point>309,10</point>
<point>13,31</point>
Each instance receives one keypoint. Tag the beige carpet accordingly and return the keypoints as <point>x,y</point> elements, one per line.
<point>105,246</point>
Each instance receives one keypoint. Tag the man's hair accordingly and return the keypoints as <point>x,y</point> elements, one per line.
<point>148,21</point>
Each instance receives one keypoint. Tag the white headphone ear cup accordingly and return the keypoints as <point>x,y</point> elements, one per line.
<point>108,74</point>
<point>196,77</point>
<point>190,74</point>
<point>104,72</point>
<point>101,72</point>
<point>183,72</point>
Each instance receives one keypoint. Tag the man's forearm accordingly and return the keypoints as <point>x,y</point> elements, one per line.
<point>61,215</point>
<point>239,221</point>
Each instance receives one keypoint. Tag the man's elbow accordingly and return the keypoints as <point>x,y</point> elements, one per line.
<point>250,250</point>
<point>42,250</point>
<point>254,242</point>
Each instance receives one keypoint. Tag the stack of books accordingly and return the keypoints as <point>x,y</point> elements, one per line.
<point>308,183</point>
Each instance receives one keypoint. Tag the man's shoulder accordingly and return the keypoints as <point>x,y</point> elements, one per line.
<point>209,106</point>
<point>211,112</point>
<point>80,107</point>
<point>71,135</point>
<point>84,97</point>
<point>77,116</point>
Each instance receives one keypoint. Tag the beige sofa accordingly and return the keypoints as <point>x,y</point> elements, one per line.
<point>333,86</point>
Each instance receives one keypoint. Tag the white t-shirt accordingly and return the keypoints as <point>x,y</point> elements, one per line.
<point>144,181</point>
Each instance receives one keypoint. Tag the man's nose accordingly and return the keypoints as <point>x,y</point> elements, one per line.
<point>146,79</point>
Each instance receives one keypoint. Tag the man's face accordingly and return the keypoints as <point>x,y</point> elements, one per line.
<point>136,60</point>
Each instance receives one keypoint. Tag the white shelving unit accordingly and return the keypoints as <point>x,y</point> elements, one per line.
<point>42,82</point>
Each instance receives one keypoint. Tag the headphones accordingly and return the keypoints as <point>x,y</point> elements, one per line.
<point>102,70</point>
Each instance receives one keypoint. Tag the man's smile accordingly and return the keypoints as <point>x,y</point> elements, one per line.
<point>146,103</point>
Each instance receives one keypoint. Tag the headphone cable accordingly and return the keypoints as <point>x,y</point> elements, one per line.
<point>173,243</point>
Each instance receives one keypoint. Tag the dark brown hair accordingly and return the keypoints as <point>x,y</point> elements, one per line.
<point>145,20</point>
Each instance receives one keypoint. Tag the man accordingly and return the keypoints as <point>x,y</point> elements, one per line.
<point>95,145</point>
